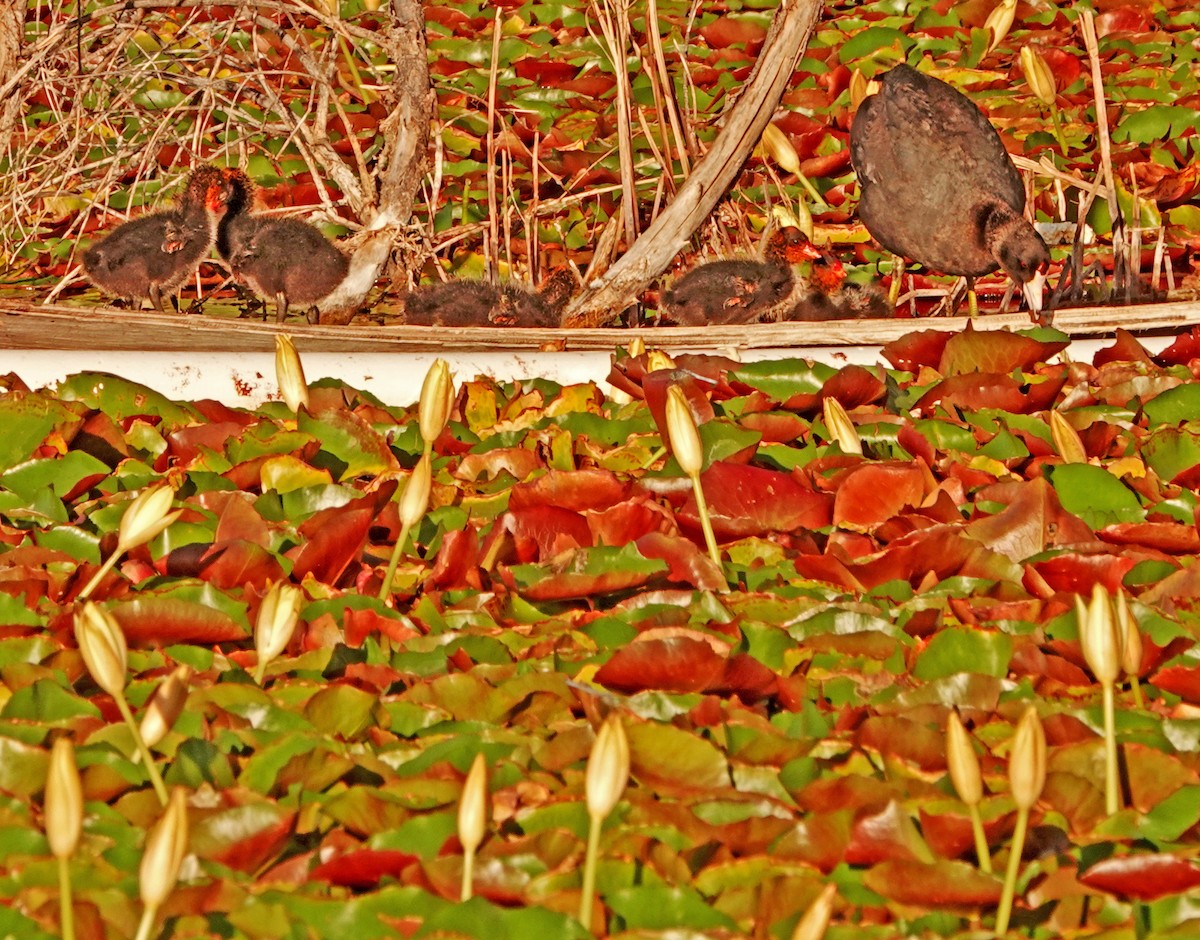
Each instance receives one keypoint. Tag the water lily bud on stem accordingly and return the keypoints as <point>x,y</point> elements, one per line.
<point>148,515</point>
<point>1038,75</point>
<point>145,517</point>
<point>289,373</point>
<point>1102,649</point>
<point>684,440</point>
<point>968,782</point>
<point>1041,82</point>
<point>815,921</point>
<point>277,618</point>
<point>1000,21</point>
<point>437,398</point>
<point>1131,647</point>
<point>605,782</point>
<point>779,147</point>
<point>472,819</point>
<point>414,503</point>
<point>166,846</point>
<point>1026,777</point>
<point>841,428</point>
<point>102,645</point>
<point>64,823</point>
<point>165,705</point>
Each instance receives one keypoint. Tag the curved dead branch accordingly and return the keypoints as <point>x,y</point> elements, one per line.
<point>606,295</point>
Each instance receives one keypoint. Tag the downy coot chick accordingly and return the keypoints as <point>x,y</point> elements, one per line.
<point>477,303</point>
<point>938,186</point>
<point>286,260</point>
<point>741,290</point>
<point>152,255</point>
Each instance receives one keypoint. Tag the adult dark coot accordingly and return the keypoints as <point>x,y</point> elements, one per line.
<point>938,186</point>
<point>742,290</point>
<point>286,260</point>
<point>151,256</point>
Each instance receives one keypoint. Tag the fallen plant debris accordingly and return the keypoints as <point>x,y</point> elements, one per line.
<point>785,708</point>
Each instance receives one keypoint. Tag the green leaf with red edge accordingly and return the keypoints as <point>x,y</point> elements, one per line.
<point>785,379</point>
<point>995,351</point>
<point>585,572</point>
<point>121,398</point>
<point>181,614</point>
<point>1143,876</point>
<point>933,885</point>
<point>350,447</point>
<point>244,833</point>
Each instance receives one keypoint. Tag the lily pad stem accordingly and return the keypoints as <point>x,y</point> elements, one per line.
<point>1004,913</point>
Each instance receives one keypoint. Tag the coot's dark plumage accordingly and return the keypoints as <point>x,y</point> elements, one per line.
<point>151,256</point>
<point>938,186</point>
<point>286,260</point>
<point>741,290</point>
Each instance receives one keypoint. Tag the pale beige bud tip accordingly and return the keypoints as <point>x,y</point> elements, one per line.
<point>472,806</point>
<point>840,427</point>
<point>1027,760</point>
<point>1098,636</point>
<point>102,645</point>
<point>1131,637</point>
<point>636,347</point>
<point>415,501</point>
<point>779,147</point>
<point>1038,75</point>
<point>437,399</point>
<point>1000,21</point>
<point>64,800</point>
<point>963,762</point>
<point>607,768</point>
<point>277,618</point>
<point>165,705</point>
<point>166,846</point>
<point>815,921</point>
<point>289,373</point>
<point>682,433</point>
<point>147,514</point>
<point>1066,439</point>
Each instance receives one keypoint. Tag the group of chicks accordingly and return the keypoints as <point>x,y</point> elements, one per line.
<point>149,258</point>
<point>937,186</point>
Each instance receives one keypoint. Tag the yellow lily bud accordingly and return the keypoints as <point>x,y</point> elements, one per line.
<point>859,89</point>
<point>1000,21</point>
<point>102,645</point>
<point>437,398</point>
<point>840,427</point>
<point>815,921</point>
<point>165,705</point>
<point>607,768</point>
<point>415,501</point>
<point>277,618</point>
<point>64,800</point>
<point>1027,760</point>
<point>682,434</point>
<point>472,806</point>
<point>1098,636</point>
<point>166,845</point>
<point>1131,638</point>
<point>636,347</point>
<point>289,373</point>
<point>146,516</point>
<point>1038,75</point>
<point>963,762</point>
<point>778,145</point>
<point>1066,439</point>
<point>657,359</point>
